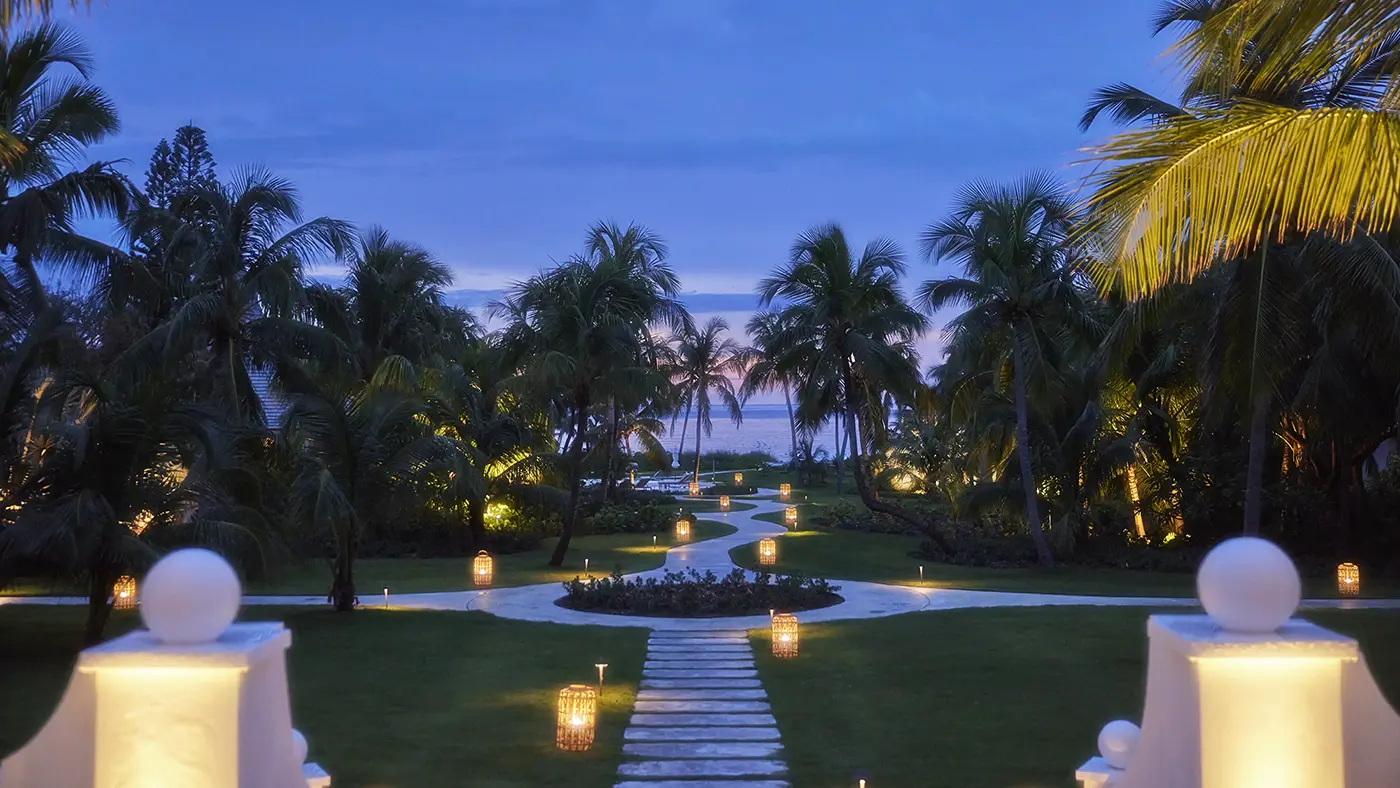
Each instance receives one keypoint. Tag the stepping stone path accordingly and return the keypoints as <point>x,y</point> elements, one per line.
<point>702,718</point>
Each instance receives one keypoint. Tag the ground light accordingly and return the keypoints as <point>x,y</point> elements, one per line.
<point>768,552</point>
<point>784,635</point>
<point>724,503</point>
<point>785,490</point>
<point>578,714</point>
<point>1348,579</point>
<point>682,530</point>
<point>483,569</point>
<point>694,489</point>
<point>124,593</point>
<point>738,478</point>
<point>790,516</point>
<point>601,666</point>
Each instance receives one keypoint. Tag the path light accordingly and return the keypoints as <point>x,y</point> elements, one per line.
<point>921,573</point>
<point>1348,579</point>
<point>483,569</point>
<point>784,635</point>
<point>124,593</point>
<point>695,489</point>
<point>724,503</point>
<point>786,490</point>
<point>386,598</point>
<point>585,566</point>
<point>738,478</point>
<point>601,666</point>
<point>578,714</point>
<point>768,552</point>
<point>682,530</point>
<point>791,515</point>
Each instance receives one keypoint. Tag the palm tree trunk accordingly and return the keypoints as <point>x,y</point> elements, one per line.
<point>476,522</point>
<point>342,595</point>
<point>1254,476</point>
<point>697,443</point>
<point>1136,501</point>
<point>99,606</point>
<point>792,425</point>
<point>575,480</point>
<point>685,427</point>
<point>609,477</point>
<point>874,504</point>
<point>837,460</point>
<point>1023,450</point>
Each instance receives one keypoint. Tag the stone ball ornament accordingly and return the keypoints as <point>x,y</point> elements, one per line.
<point>1117,742</point>
<point>299,746</point>
<point>1248,585</point>
<point>190,596</point>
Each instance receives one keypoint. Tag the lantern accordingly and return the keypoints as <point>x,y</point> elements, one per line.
<point>738,479</point>
<point>124,593</point>
<point>682,530</point>
<point>784,635</point>
<point>694,489</point>
<point>578,714</point>
<point>483,566</point>
<point>724,503</point>
<point>768,552</point>
<point>790,515</point>
<point>1348,579</point>
<point>786,490</point>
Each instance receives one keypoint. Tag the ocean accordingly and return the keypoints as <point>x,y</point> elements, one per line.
<point>764,428</point>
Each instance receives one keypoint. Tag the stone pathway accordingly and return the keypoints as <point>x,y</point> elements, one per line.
<point>702,718</point>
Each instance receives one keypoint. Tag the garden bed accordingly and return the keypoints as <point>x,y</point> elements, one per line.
<point>695,595</point>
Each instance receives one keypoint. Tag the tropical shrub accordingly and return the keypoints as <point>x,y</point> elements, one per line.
<point>632,517</point>
<point>729,488</point>
<point>694,594</point>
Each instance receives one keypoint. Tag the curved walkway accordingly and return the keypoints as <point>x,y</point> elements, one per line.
<point>861,599</point>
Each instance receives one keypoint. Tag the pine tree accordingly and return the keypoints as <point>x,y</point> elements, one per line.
<point>181,167</point>
<point>160,176</point>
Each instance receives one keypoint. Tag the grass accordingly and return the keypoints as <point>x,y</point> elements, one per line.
<point>711,505</point>
<point>980,697</point>
<point>604,554</point>
<point>391,699</point>
<point>885,558</point>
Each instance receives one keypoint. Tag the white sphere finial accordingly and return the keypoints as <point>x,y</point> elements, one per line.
<point>190,596</point>
<point>1249,585</point>
<point>299,746</point>
<point>1117,742</point>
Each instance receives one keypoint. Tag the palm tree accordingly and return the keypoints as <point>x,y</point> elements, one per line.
<point>847,338</point>
<point>1020,286</point>
<point>705,362</point>
<point>761,374</point>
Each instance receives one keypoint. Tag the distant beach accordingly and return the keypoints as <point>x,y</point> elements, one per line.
<point>765,428</point>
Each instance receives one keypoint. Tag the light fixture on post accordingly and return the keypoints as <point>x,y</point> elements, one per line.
<point>682,530</point>
<point>124,593</point>
<point>724,503</point>
<point>786,490</point>
<point>738,478</point>
<point>578,714</point>
<point>483,568</point>
<point>768,552</point>
<point>784,635</point>
<point>695,489</point>
<point>790,516</point>
<point>1348,579</point>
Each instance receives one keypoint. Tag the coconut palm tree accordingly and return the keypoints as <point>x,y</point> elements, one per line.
<point>705,362</point>
<point>1021,289</point>
<point>761,374</point>
<point>847,337</point>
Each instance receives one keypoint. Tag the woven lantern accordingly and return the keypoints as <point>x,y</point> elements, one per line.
<point>785,635</point>
<point>124,593</point>
<point>738,478</point>
<point>724,503</point>
<point>682,530</point>
<point>483,567</point>
<point>790,516</point>
<point>694,489</point>
<point>578,716</point>
<point>768,552</point>
<point>786,490</point>
<point>1348,579</point>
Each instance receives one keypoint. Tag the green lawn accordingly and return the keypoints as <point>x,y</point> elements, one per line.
<point>391,699</point>
<point>1012,697</point>
<point>885,558</point>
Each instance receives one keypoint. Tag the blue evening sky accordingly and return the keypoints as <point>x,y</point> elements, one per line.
<point>494,132</point>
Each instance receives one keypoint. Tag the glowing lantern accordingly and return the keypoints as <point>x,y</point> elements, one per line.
<point>483,566</point>
<point>784,635</point>
<point>768,552</point>
<point>791,515</point>
<point>694,489</point>
<point>724,503</point>
<point>578,714</point>
<point>1348,579</point>
<point>738,478</point>
<point>124,593</point>
<point>786,490</point>
<point>682,530</point>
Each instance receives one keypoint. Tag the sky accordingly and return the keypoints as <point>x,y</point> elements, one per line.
<point>494,132</point>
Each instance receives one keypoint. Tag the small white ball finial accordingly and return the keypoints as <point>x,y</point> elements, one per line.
<point>1248,585</point>
<point>1117,742</point>
<point>190,596</point>
<point>299,746</point>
